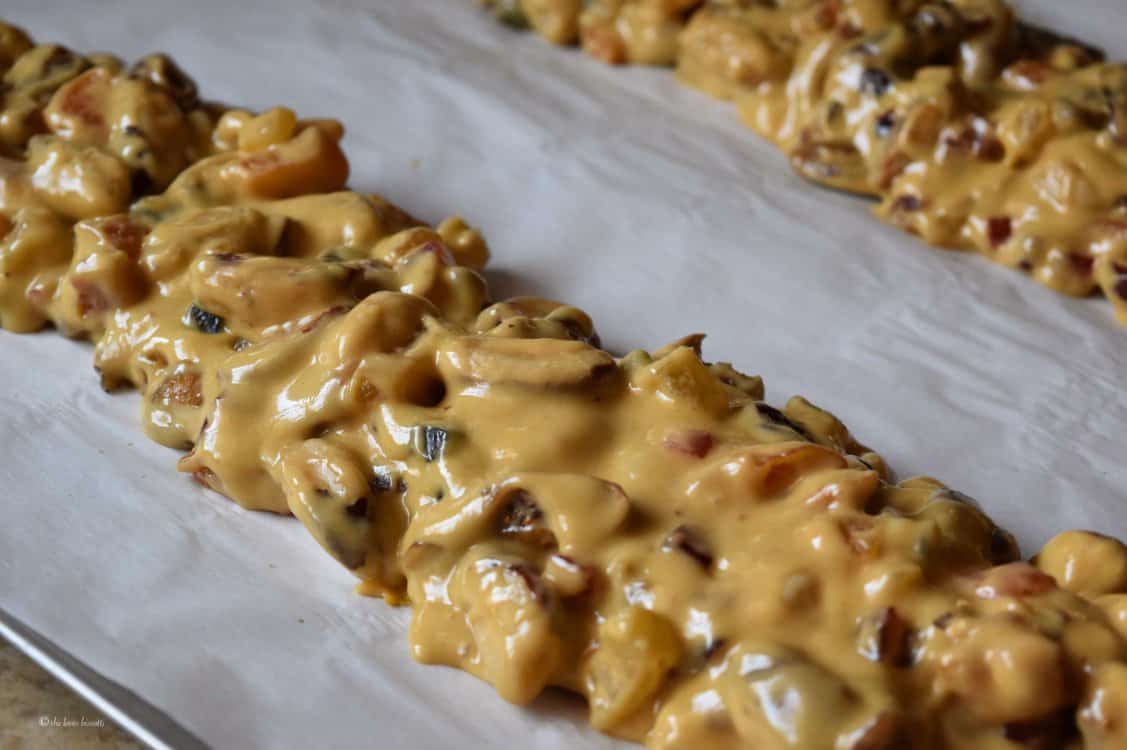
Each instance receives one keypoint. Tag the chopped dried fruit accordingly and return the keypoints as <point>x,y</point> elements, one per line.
<point>696,443</point>
<point>999,229</point>
<point>430,441</point>
<point>688,541</point>
<point>883,637</point>
<point>204,321</point>
<point>875,81</point>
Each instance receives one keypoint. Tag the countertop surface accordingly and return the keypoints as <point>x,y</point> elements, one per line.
<point>38,711</point>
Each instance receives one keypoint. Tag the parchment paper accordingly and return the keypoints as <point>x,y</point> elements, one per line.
<point>641,201</point>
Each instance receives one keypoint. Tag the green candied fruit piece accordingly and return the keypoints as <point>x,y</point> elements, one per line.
<point>510,13</point>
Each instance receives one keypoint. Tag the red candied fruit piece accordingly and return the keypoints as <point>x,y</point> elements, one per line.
<point>689,442</point>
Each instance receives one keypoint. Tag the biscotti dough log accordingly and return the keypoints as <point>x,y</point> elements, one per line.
<point>976,131</point>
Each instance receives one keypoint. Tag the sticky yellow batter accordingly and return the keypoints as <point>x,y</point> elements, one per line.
<point>706,570</point>
<point>976,131</point>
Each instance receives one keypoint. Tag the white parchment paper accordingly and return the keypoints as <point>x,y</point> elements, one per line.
<point>641,201</point>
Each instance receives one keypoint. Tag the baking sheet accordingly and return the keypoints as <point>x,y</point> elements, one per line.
<point>639,200</point>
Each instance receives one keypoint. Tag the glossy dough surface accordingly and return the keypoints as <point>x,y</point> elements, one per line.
<point>705,569</point>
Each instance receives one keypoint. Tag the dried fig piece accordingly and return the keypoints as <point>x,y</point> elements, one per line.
<point>182,389</point>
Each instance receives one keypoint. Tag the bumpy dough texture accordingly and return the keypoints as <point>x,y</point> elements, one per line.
<point>707,570</point>
<point>975,131</point>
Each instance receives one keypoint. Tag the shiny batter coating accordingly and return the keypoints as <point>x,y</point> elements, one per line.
<point>705,569</point>
<point>974,130</point>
